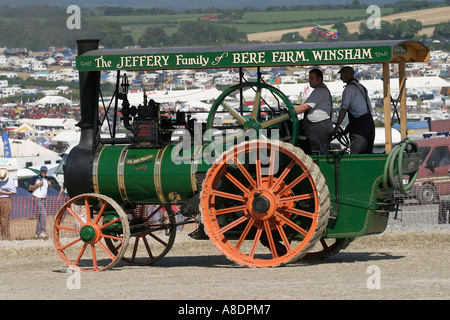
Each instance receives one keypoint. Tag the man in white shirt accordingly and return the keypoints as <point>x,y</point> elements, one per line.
<point>7,188</point>
<point>317,124</point>
<point>39,185</point>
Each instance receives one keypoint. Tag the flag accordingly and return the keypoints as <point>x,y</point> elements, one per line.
<point>6,146</point>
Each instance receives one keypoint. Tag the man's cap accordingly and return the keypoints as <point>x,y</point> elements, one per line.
<point>44,168</point>
<point>347,70</point>
<point>3,174</point>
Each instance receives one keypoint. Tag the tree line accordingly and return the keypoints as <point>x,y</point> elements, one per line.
<point>399,6</point>
<point>36,34</point>
<point>192,33</point>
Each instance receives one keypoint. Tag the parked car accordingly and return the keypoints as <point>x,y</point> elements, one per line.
<point>433,178</point>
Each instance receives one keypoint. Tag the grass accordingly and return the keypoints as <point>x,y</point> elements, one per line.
<point>300,16</point>
<point>136,25</point>
<point>161,19</point>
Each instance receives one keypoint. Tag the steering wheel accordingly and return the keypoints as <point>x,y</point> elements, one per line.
<point>281,115</point>
<point>342,137</point>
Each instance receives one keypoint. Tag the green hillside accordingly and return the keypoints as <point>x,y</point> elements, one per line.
<point>249,22</point>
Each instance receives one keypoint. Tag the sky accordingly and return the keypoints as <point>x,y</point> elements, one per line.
<point>183,4</point>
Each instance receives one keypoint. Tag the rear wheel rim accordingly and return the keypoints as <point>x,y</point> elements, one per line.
<point>279,222</point>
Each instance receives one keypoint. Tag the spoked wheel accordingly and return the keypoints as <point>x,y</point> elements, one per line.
<point>83,226</point>
<point>153,233</point>
<point>327,247</point>
<point>264,203</point>
<point>271,110</point>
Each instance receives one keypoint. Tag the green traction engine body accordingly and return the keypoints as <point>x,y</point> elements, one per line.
<point>142,176</point>
<point>358,200</point>
<point>142,170</point>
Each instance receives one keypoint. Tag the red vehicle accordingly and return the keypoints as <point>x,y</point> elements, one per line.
<point>433,179</point>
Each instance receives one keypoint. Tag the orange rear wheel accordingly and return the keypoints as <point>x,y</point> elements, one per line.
<point>264,203</point>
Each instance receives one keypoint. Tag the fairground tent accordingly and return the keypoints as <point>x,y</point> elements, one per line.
<point>26,148</point>
<point>53,101</point>
<point>336,87</point>
<point>172,96</point>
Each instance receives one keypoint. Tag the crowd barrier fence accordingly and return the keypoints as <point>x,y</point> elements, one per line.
<point>23,218</point>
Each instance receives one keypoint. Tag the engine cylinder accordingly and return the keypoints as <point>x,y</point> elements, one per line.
<point>144,176</point>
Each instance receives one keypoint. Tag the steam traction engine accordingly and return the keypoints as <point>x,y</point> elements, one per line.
<point>262,202</point>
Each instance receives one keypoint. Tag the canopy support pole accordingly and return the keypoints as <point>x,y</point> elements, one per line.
<point>387,107</point>
<point>116,106</point>
<point>402,94</point>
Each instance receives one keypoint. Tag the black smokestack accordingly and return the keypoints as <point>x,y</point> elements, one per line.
<point>78,169</point>
<point>89,93</point>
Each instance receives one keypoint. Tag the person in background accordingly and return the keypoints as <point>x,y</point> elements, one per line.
<point>7,189</point>
<point>356,103</point>
<point>317,125</point>
<point>39,185</point>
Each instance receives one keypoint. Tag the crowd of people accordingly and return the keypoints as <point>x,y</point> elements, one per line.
<point>38,186</point>
<point>37,112</point>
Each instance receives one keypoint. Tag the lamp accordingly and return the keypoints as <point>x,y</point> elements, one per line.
<point>125,84</point>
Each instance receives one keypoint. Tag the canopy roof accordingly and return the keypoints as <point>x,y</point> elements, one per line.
<point>251,55</point>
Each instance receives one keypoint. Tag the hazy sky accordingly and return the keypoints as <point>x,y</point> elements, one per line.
<point>183,4</point>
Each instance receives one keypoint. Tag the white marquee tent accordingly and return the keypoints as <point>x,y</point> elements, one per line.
<point>336,87</point>
<point>26,148</point>
<point>53,100</point>
<point>172,96</point>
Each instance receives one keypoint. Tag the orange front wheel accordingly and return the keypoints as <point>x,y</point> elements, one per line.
<point>83,228</point>
<point>264,203</point>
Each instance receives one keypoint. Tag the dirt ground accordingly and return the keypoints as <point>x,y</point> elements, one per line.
<point>427,17</point>
<point>392,265</point>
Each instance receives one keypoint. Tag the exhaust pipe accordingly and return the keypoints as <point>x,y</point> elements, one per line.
<point>78,169</point>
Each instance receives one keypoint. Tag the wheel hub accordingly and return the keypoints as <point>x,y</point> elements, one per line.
<point>252,124</point>
<point>260,203</point>
<point>89,234</point>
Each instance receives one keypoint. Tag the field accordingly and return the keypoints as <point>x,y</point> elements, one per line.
<point>270,21</point>
<point>270,26</point>
<point>251,22</point>
<point>427,17</point>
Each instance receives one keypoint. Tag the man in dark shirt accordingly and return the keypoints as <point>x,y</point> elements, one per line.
<point>356,103</point>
